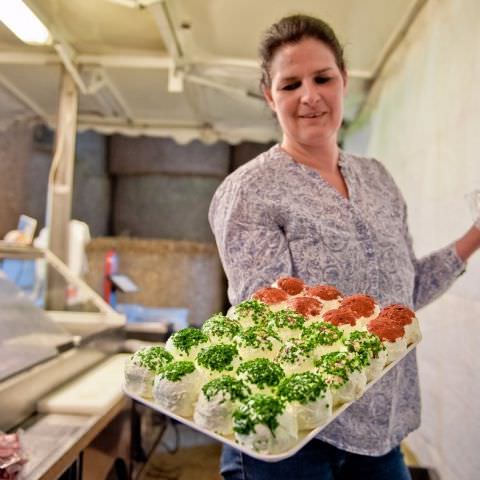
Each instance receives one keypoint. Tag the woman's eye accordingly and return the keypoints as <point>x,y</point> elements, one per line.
<point>291,86</point>
<point>322,79</point>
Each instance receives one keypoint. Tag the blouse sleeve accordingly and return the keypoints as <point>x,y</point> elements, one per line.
<point>252,246</point>
<point>434,273</point>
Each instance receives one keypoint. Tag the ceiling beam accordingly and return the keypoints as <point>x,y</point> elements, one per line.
<point>64,50</point>
<point>164,22</point>
<point>143,61</point>
<point>125,108</point>
<point>390,47</point>
<point>22,97</point>
<point>397,37</point>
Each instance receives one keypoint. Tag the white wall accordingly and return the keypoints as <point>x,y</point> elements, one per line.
<point>426,130</point>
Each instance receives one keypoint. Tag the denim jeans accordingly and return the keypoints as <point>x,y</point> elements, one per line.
<point>316,461</point>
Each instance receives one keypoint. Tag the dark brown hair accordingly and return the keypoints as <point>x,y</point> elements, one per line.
<point>292,29</point>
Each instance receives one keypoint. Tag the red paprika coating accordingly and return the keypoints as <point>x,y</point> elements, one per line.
<point>270,295</point>
<point>306,306</point>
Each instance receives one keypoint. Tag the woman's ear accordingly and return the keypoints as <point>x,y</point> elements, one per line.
<point>267,93</point>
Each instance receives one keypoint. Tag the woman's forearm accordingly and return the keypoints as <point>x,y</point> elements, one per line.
<point>468,244</point>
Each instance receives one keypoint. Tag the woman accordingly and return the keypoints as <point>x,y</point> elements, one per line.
<point>307,209</point>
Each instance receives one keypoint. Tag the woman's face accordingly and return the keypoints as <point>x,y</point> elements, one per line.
<point>306,93</point>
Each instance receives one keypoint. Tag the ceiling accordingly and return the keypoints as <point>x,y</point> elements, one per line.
<point>181,68</point>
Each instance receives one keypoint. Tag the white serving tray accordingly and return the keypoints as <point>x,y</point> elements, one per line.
<point>304,436</point>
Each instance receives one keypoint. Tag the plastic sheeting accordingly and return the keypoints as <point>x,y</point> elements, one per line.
<point>426,129</point>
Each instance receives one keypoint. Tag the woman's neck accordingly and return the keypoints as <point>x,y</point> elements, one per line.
<point>323,158</point>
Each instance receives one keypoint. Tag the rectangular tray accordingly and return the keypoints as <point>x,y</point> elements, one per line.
<point>304,436</point>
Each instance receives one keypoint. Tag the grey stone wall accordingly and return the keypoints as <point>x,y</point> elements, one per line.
<point>15,154</point>
<point>243,152</point>
<point>28,164</point>
<point>163,189</point>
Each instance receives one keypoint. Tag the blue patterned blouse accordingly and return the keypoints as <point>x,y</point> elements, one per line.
<point>274,217</point>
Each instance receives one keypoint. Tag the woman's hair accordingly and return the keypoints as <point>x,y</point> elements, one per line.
<point>292,29</point>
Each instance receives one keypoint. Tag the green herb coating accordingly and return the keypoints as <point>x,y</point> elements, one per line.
<point>236,389</point>
<point>221,326</point>
<point>261,372</point>
<point>258,409</point>
<point>187,338</point>
<point>302,387</point>
<point>258,337</point>
<point>217,357</point>
<point>153,358</point>
<point>365,345</point>
<point>175,371</point>
<point>294,350</point>
<point>286,319</point>
<point>321,333</point>
<point>252,309</point>
<point>340,365</point>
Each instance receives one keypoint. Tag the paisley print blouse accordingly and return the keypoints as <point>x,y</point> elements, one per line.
<point>274,217</point>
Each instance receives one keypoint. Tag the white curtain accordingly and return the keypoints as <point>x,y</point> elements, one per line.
<point>425,127</point>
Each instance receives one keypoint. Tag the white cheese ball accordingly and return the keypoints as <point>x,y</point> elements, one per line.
<point>296,356</point>
<point>396,349</point>
<point>186,343</point>
<point>177,388</point>
<point>260,375</point>
<point>345,375</point>
<point>141,367</point>
<point>309,398</point>
<point>249,313</point>
<point>258,342</point>
<point>216,403</point>
<point>217,360</point>
<point>274,430</point>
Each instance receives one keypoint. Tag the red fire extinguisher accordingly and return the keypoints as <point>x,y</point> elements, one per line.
<point>110,268</point>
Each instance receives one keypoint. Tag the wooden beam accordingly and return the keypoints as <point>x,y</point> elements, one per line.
<point>60,186</point>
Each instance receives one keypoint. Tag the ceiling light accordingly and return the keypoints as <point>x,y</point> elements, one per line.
<point>23,22</point>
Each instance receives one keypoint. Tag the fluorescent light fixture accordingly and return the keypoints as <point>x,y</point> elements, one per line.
<point>18,18</point>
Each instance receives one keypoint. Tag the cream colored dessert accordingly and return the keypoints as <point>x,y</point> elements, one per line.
<point>260,375</point>
<point>221,329</point>
<point>392,335</point>
<point>395,349</point>
<point>296,356</point>
<point>216,403</point>
<point>403,316</point>
<point>328,295</point>
<point>249,313</point>
<point>274,298</point>
<point>323,337</point>
<point>364,308</point>
<point>141,368</point>
<point>344,374</point>
<point>308,307</point>
<point>258,342</point>
<point>309,397</point>
<point>217,360</point>
<point>177,387</point>
<point>371,351</point>
<point>186,343</point>
<point>287,323</point>
<point>265,424</point>
<point>342,318</point>
<point>292,286</point>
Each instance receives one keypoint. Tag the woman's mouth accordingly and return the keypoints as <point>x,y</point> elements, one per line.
<point>312,115</point>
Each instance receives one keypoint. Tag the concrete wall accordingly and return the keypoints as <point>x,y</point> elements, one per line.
<point>15,154</point>
<point>26,153</point>
<point>163,189</point>
<point>140,187</point>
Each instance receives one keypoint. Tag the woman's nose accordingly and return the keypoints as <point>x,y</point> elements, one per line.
<point>310,93</point>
